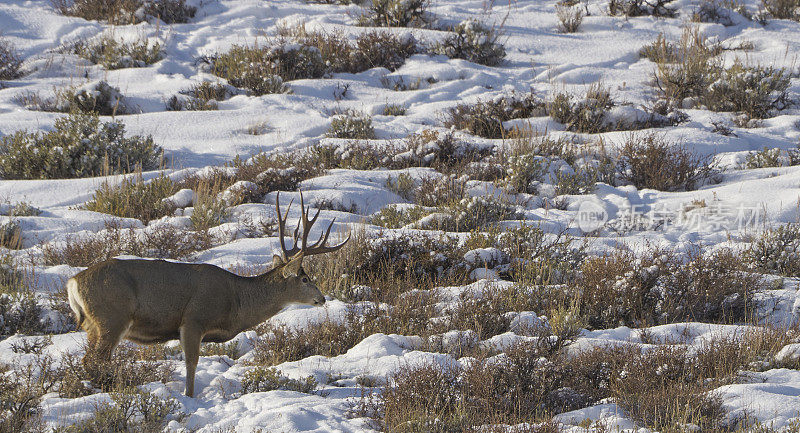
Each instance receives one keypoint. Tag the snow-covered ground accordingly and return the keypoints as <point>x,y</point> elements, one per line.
<point>740,202</point>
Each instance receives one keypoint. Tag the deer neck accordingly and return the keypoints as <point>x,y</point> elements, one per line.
<point>261,298</point>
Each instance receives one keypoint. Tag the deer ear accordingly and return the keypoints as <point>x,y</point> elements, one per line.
<point>277,261</point>
<point>292,268</point>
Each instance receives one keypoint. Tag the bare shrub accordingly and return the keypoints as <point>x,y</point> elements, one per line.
<point>521,387</point>
<point>485,118</point>
<point>660,287</point>
<point>165,241</point>
<point>650,161</point>
<point>782,9</point>
<point>10,61</point>
<point>569,18</point>
<point>776,250</point>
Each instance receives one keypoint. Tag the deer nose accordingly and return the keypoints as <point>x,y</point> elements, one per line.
<point>320,301</point>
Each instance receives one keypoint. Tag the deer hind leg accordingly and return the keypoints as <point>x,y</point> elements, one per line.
<point>190,340</point>
<point>105,338</point>
<point>92,339</point>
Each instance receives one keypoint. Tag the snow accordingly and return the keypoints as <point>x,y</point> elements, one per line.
<point>739,202</point>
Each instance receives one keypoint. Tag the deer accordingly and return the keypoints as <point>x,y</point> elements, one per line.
<point>149,301</point>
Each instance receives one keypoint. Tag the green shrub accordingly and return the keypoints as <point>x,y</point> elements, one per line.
<point>200,97</point>
<point>112,53</point>
<point>395,13</point>
<point>394,110</point>
<point>394,217</point>
<point>262,379</point>
<point>134,198</point>
<point>351,124</point>
<point>474,42</point>
<point>10,61</point>
<point>79,146</point>
<point>763,158</point>
<point>756,92</point>
<point>262,70</point>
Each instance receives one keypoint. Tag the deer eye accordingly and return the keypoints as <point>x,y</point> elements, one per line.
<point>304,279</point>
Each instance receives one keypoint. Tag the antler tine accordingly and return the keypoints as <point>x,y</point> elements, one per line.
<point>324,236</point>
<point>323,249</point>
<point>285,253</point>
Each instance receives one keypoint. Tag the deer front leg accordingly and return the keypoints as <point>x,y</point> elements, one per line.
<point>190,340</point>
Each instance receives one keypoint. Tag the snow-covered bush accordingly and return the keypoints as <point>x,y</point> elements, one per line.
<point>262,70</point>
<point>129,411</point>
<point>569,18</point>
<point>766,157</point>
<point>440,150</point>
<point>368,50</point>
<point>395,217</point>
<point>524,173</point>
<point>441,190</point>
<point>100,98</point>
<point>395,13</point>
<point>164,241</point>
<point>776,251</point>
<point>636,8</point>
<point>475,213</point>
<point>485,118</point>
<point>688,74</point>
<point>114,53</point>
<point>122,12</point>
<point>660,287</point>
<point>782,9</point>
<point>381,49</point>
<point>10,61</point>
<point>263,379</point>
<point>168,11</point>
<point>473,41</point>
<point>78,146</point>
<point>650,161</point>
<point>351,124</point>
<point>755,92</point>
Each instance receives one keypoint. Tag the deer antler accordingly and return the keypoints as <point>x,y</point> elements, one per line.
<point>317,247</point>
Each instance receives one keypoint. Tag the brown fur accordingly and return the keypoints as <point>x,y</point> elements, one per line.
<point>153,301</point>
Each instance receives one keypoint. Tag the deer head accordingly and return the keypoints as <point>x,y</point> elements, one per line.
<point>291,260</point>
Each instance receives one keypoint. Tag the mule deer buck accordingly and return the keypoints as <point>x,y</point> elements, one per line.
<point>153,301</point>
